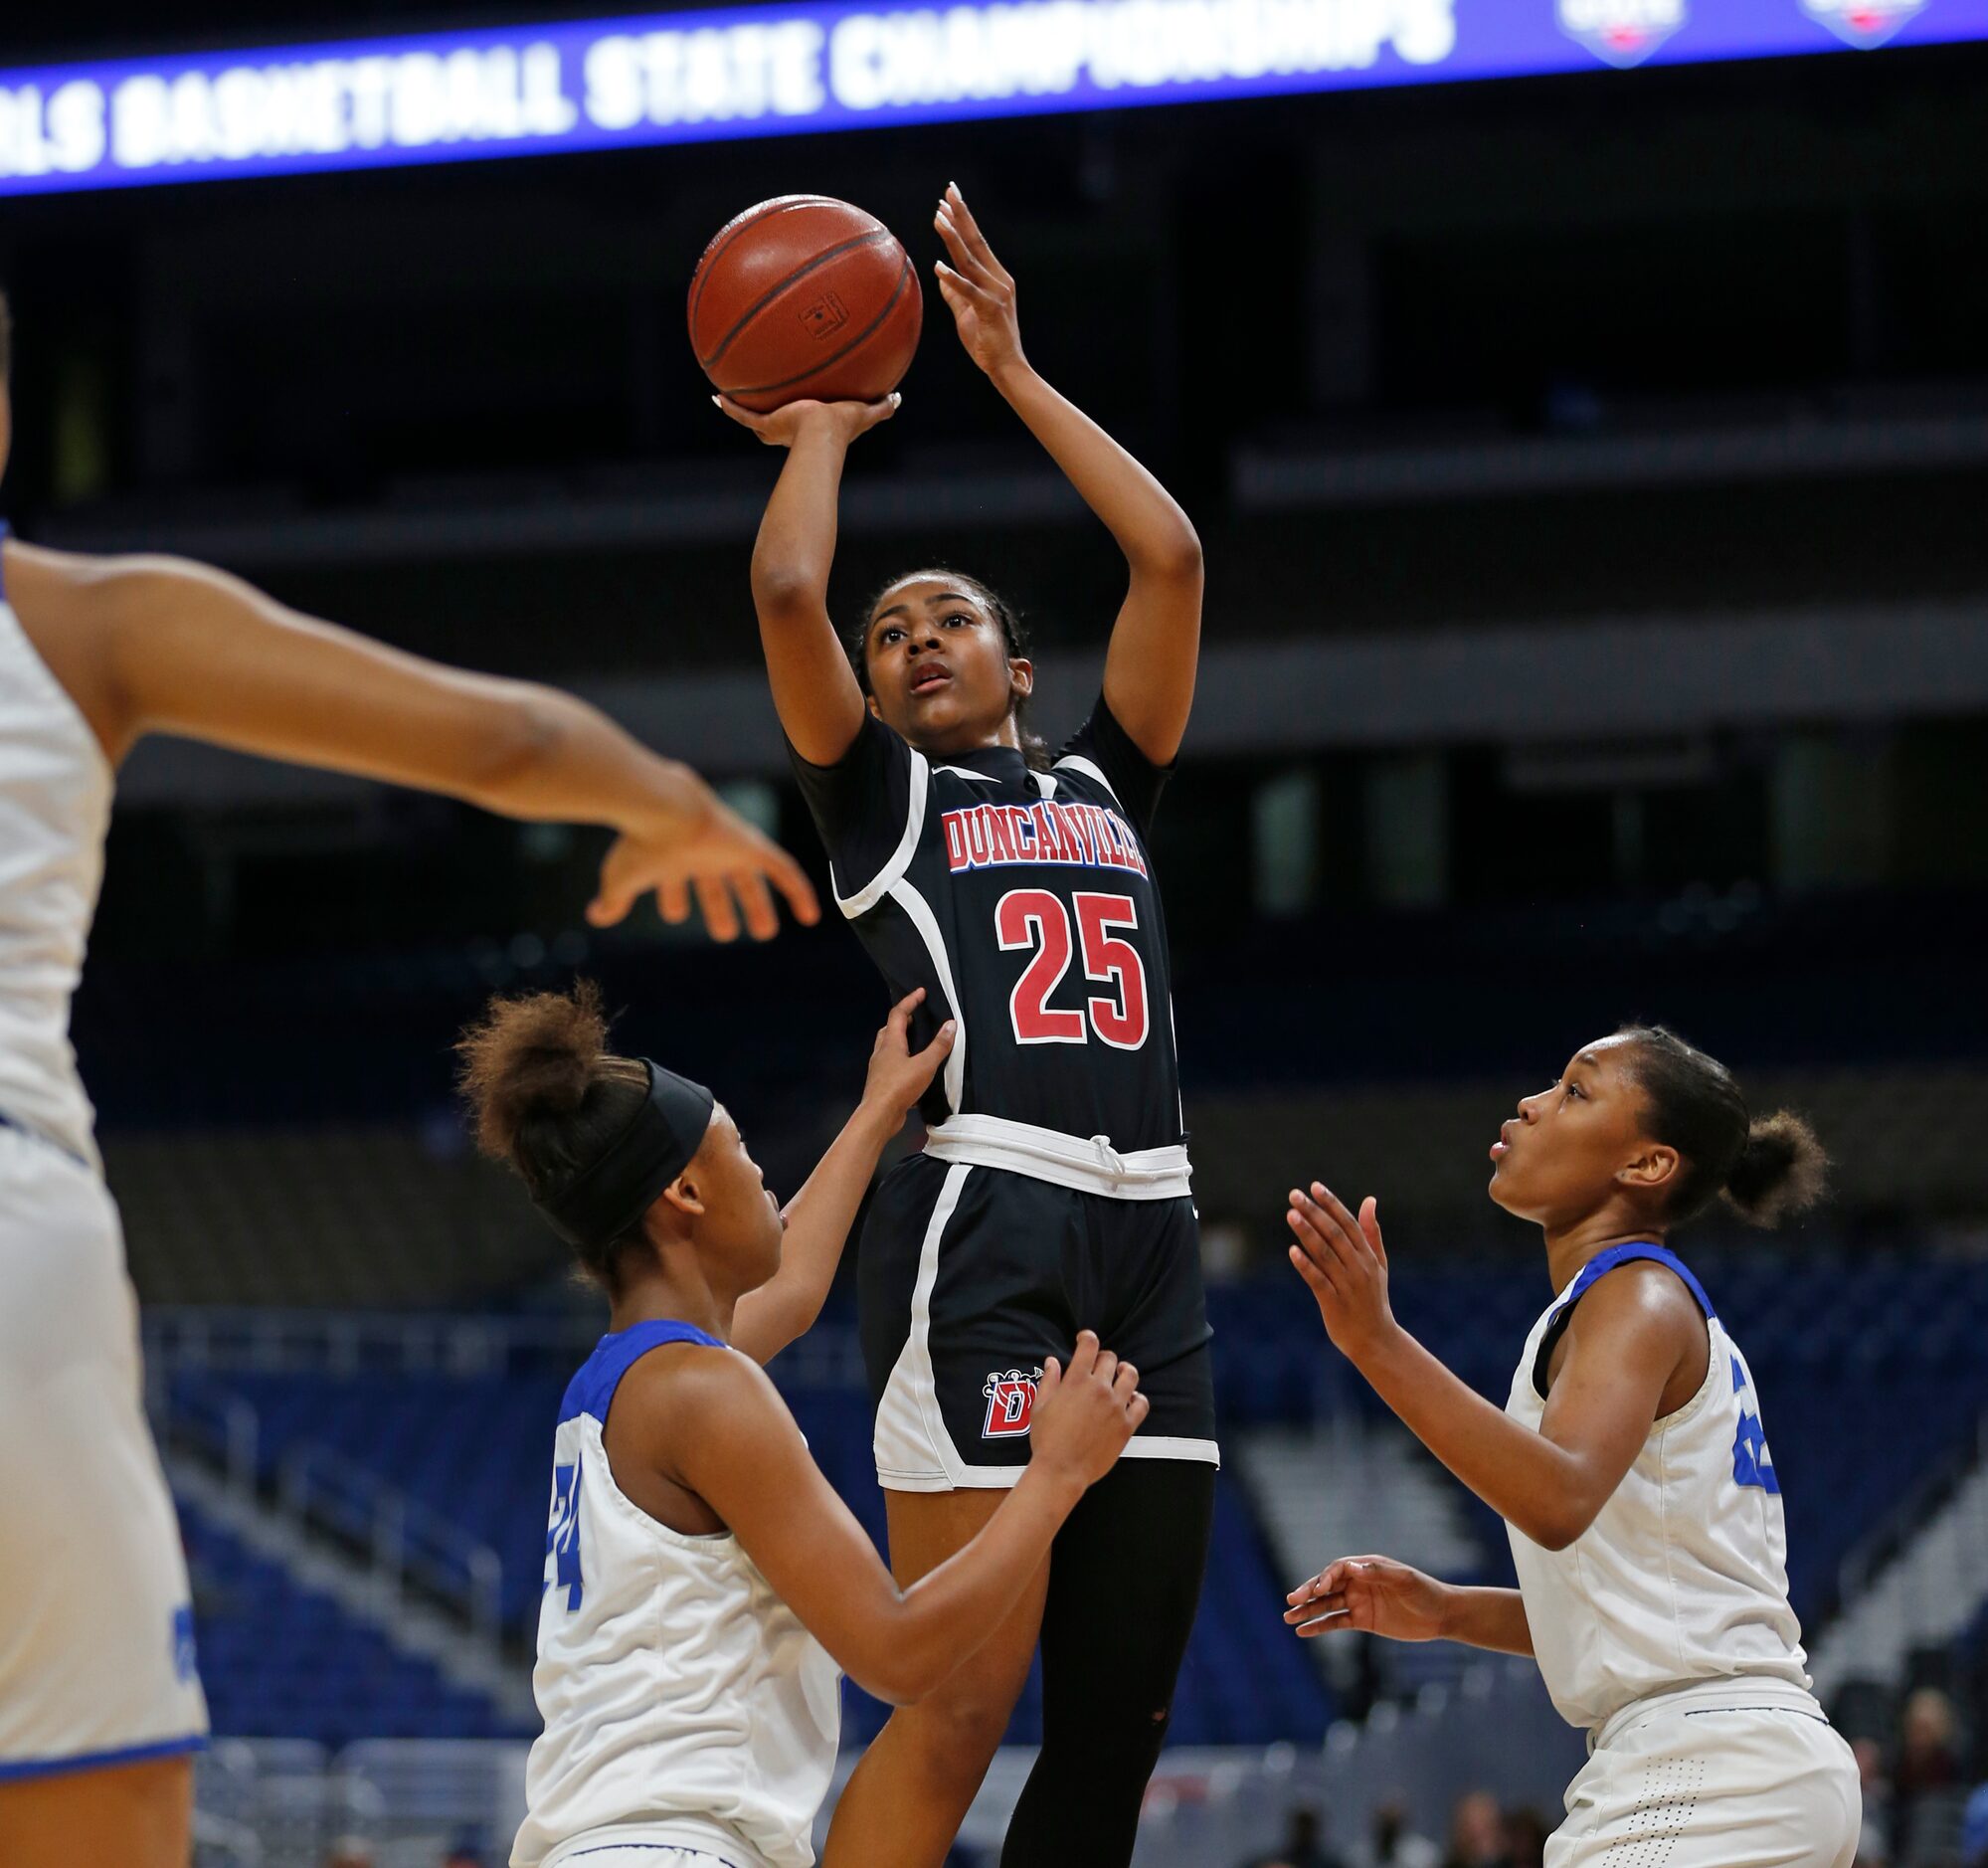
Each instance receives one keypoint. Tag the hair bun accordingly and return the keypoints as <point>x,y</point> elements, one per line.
<point>1784,1169</point>
<point>528,1059</point>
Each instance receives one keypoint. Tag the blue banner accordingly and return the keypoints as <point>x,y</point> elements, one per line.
<point>825,65</point>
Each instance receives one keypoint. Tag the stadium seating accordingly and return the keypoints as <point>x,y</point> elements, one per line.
<point>282,1661</point>
<point>1868,1371</point>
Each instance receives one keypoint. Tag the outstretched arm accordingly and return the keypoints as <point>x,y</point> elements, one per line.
<point>818,1218</point>
<point>1624,1343</point>
<point>815,694</point>
<point>719,1429</point>
<point>1377,1595</point>
<point>148,645</point>
<point>1156,641</point>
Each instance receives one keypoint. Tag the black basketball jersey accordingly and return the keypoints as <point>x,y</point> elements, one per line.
<point>1025,903</point>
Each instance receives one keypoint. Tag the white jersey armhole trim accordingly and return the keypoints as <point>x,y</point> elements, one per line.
<point>919,912</point>
<point>855,907</point>
<point>1044,783</point>
<point>1077,763</point>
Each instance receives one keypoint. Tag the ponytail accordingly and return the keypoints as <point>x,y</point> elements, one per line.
<point>549,1098</point>
<point>1767,1170</point>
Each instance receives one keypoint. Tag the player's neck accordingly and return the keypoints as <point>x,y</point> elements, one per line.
<point>665,1292</point>
<point>1572,1246</point>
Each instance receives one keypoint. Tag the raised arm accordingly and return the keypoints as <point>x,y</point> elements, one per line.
<point>815,691</point>
<point>149,645</point>
<point>1156,641</point>
<point>818,1218</point>
<point>1631,1335</point>
<point>724,1433</point>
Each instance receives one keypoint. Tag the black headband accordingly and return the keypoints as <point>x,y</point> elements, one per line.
<point>607,1199</point>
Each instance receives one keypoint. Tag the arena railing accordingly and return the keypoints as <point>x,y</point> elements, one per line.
<point>402,1541</point>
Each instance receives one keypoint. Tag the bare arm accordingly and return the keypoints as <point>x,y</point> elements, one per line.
<point>815,691</point>
<point>1630,1335</point>
<point>818,1218</point>
<point>726,1435</point>
<point>1377,1595</point>
<point>1156,641</point>
<point>162,645</point>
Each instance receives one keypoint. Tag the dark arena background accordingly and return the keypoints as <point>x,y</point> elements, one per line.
<point>1591,461</point>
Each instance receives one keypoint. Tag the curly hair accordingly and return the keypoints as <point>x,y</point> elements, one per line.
<point>548,1096</point>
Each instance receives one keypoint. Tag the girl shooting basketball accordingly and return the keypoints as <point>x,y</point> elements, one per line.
<point>1053,1191</point>
<point>702,1580</point>
<point>100,1699</point>
<point>1630,1466</point>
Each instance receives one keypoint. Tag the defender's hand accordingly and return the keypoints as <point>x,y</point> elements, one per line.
<point>1345,1262</point>
<point>978,289</point>
<point>898,1075</point>
<point>1084,1414</point>
<point>785,425</point>
<point>712,853</point>
<point>1372,1594</point>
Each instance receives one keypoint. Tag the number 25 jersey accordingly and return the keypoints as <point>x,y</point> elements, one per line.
<point>1025,903</point>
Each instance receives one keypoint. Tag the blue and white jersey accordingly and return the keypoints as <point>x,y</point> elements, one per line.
<point>1682,1575</point>
<point>684,1704</point>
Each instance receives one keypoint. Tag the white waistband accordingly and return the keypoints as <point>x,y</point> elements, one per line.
<point>1737,1692</point>
<point>1089,1167</point>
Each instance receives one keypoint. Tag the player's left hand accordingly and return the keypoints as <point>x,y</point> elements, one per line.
<point>978,289</point>
<point>709,854</point>
<point>1345,1262</point>
<point>898,1075</point>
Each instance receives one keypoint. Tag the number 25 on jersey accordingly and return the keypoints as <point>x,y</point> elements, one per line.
<point>1035,918</point>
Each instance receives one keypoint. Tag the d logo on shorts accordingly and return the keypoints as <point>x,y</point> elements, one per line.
<point>1011,1400</point>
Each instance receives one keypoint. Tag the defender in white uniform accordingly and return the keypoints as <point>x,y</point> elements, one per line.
<point>99,1698</point>
<point>703,1585</point>
<point>1632,1468</point>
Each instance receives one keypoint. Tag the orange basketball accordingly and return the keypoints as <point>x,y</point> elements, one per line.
<point>805,297</point>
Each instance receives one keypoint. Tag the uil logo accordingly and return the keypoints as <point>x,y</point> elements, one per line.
<point>824,317</point>
<point>1622,31</point>
<point>1863,23</point>
<point>1011,1400</point>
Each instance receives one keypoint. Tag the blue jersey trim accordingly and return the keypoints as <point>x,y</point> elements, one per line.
<point>1597,1268</point>
<point>99,1760</point>
<point>1604,1262</point>
<point>592,1389</point>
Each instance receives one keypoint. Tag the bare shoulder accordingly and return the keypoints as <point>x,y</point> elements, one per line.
<point>692,1392</point>
<point>1642,1292</point>
<point>58,598</point>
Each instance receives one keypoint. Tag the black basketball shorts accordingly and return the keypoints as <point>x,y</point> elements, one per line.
<point>971,1276</point>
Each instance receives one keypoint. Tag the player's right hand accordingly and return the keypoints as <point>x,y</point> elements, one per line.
<point>1085,1412</point>
<point>711,855</point>
<point>785,425</point>
<point>1372,1594</point>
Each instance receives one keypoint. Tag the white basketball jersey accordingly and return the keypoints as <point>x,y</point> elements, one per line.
<point>1682,1575</point>
<point>55,807</point>
<point>684,1704</point>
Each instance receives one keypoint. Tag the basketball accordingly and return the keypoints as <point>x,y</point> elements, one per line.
<point>805,297</point>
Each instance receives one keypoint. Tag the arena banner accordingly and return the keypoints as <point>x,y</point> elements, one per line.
<point>833,65</point>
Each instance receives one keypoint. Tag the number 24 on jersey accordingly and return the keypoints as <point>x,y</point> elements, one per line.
<point>1035,919</point>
